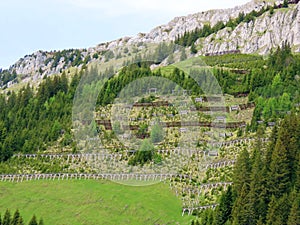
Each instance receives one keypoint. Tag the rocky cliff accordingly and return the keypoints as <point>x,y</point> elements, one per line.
<point>258,36</point>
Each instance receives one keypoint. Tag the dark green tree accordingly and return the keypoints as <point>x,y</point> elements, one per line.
<point>242,213</point>
<point>6,218</point>
<point>41,222</point>
<point>224,210</point>
<point>20,221</point>
<point>242,171</point>
<point>183,55</point>
<point>279,170</point>
<point>193,49</point>
<point>144,154</point>
<point>33,221</point>
<point>278,210</point>
<point>16,218</point>
<point>294,216</point>
<point>157,133</point>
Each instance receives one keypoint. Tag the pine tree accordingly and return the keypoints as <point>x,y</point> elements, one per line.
<point>294,216</point>
<point>278,210</point>
<point>193,49</point>
<point>297,183</point>
<point>260,221</point>
<point>223,211</point>
<point>41,222</point>
<point>16,218</point>
<point>6,218</point>
<point>241,174</point>
<point>33,221</point>
<point>183,55</point>
<point>271,216</point>
<point>279,170</point>
<point>20,221</point>
<point>242,214</point>
<point>258,191</point>
<point>157,133</point>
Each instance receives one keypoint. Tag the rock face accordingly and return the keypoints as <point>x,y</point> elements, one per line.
<point>258,36</point>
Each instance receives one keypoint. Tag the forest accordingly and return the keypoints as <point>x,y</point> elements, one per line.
<point>266,184</point>
<point>266,179</point>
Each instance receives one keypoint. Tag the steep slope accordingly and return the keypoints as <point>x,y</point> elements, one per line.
<point>258,36</point>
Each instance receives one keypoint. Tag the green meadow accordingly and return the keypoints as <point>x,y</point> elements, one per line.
<point>79,202</point>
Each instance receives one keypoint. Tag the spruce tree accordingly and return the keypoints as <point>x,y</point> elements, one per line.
<point>294,216</point>
<point>297,184</point>
<point>20,221</point>
<point>258,191</point>
<point>41,222</point>
<point>157,133</point>
<point>241,173</point>
<point>278,210</point>
<point>271,216</point>
<point>224,210</point>
<point>242,214</point>
<point>6,218</point>
<point>33,221</point>
<point>15,218</point>
<point>193,49</point>
<point>183,55</point>
<point>279,170</point>
<point>260,221</point>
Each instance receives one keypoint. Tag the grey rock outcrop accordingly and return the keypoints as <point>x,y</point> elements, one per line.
<point>258,36</point>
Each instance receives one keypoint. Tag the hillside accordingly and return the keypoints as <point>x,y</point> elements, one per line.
<point>81,202</point>
<point>259,35</point>
<point>212,128</point>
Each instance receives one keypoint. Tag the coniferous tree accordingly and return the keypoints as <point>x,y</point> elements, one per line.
<point>279,170</point>
<point>224,210</point>
<point>183,55</point>
<point>258,193</point>
<point>41,222</point>
<point>260,221</point>
<point>242,214</point>
<point>294,216</point>
<point>297,183</point>
<point>20,221</point>
<point>157,133</point>
<point>6,218</point>
<point>241,174</point>
<point>193,49</point>
<point>33,221</point>
<point>278,210</point>
<point>16,218</point>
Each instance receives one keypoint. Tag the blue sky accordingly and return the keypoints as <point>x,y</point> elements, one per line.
<point>31,25</point>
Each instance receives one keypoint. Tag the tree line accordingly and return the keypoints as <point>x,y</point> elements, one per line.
<point>32,119</point>
<point>266,187</point>
<point>17,219</point>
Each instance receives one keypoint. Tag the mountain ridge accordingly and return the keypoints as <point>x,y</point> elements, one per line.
<point>259,36</point>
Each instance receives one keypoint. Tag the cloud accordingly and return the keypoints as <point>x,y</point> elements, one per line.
<point>116,8</point>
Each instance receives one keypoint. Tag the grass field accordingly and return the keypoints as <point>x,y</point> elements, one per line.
<point>90,202</point>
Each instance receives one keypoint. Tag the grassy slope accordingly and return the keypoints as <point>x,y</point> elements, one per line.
<point>92,202</point>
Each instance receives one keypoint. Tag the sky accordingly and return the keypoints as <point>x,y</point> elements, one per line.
<point>31,25</point>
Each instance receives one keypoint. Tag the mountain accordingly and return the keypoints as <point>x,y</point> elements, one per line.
<point>259,35</point>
